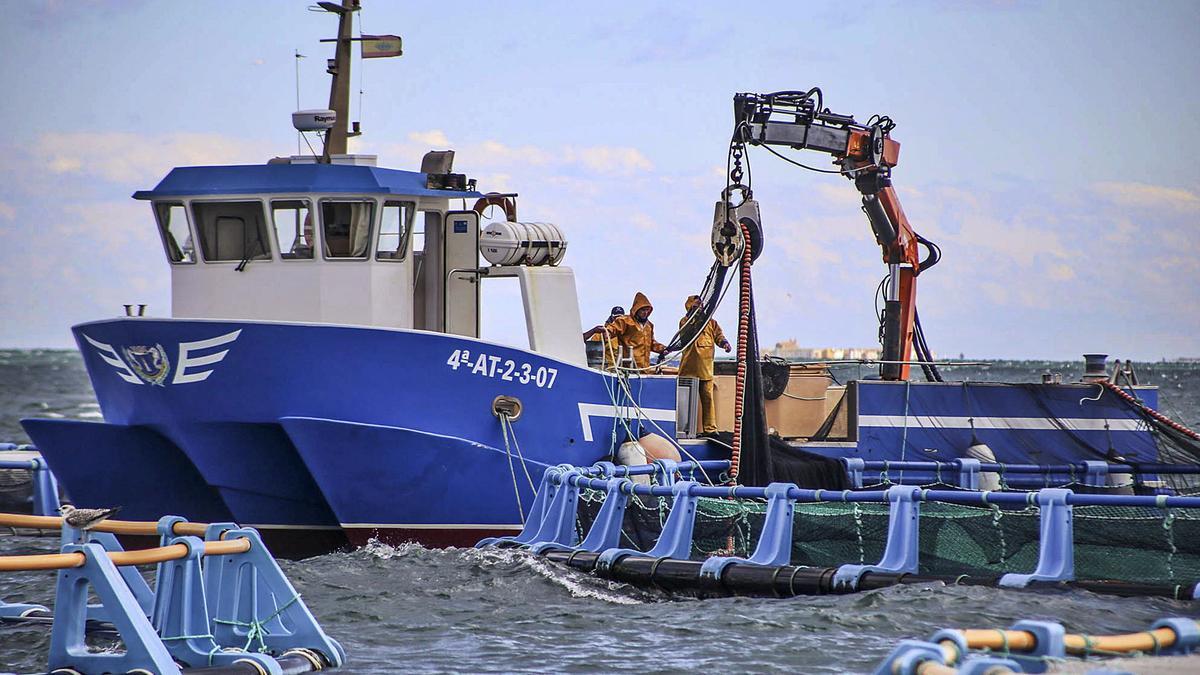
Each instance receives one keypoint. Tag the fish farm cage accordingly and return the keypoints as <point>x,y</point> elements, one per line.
<point>676,527</point>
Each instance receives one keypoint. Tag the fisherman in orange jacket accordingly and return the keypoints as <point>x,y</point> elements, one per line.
<point>635,333</point>
<point>697,362</point>
<point>612,349</point>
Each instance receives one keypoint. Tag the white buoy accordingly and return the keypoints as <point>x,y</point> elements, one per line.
<point>988,480</point>
<point>631,453</point>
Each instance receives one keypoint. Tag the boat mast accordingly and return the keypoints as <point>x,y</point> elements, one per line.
<point>339,88</point>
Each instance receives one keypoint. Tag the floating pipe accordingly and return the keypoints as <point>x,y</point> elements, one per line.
<point>148,556</point>
<point>114,526</point>
<point>289,664</point>
<point>1023,641</point>
<point>967,498</point>
<point>683,576</point>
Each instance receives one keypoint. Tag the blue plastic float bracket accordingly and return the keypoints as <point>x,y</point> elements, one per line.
<point>552,480</point>
<point>908,656</point>
<point>605,469</point>
<point>664,471</point>
<point>854,470</point>
<point>1187,635</point>
<point>1056,552</point>
<point>968,473</point>
<point>605,531</point>
<point>558,522</point>
<point>45,489</point>
<point>143,650</point>
<point>903,539</point>
<point>136,583</point>
<point>166,528</point>
<point>1048,645</point>
<point>1095,473</point>
<point>181,614</point>
<point>774,544</point>
<point>256,607</point>
<point>215,531</point>
<point>978,664</point>
<point>675,541</point>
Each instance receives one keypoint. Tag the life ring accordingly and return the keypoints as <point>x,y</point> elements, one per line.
<point>497,199</point>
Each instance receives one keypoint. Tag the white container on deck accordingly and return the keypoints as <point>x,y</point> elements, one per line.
<point>510,243</point>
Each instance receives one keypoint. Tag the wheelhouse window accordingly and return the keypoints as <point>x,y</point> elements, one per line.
<point>393,231</point>
<point>293,228</point>
<point>177,238</point>
<point>232,231</point>
<point>346,228</point>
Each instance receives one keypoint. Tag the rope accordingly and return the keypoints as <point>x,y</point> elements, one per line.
<point>739,400</point>
<point>506,422</point>
<point>512,469</point>
<point>669,437</point>
<point>1152,412</point>
<point>216,647</point>
<point>997,514</point>
<point>1169,532</point>
<point>256,629</point>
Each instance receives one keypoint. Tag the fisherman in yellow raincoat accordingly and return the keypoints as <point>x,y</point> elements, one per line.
<point>612,348</point>
<point>635,333</point>
<point>697,362</point>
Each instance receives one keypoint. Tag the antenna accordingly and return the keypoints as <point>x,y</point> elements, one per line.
<point>299,134</point>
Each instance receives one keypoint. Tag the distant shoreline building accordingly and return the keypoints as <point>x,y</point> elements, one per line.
<point>789,349</point>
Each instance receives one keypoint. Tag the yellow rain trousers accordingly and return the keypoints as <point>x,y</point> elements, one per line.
<point>697,362</point>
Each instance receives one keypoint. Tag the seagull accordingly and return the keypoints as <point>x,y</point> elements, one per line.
<point>85,519</point>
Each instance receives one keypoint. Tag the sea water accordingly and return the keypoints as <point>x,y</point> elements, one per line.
<point>413,609</point>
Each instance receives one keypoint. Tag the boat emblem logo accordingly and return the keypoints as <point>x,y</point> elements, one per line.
<point>149,363</point>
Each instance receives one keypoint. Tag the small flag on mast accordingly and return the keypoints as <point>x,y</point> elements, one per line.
<point>378,46</point>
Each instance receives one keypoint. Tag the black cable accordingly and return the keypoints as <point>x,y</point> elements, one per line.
<point>931,373</point>
<point>803,166</point>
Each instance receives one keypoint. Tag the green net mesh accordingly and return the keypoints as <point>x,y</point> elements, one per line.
<point>1131,544</point>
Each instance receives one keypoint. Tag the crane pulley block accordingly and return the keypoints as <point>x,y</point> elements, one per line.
<point>727,239</point>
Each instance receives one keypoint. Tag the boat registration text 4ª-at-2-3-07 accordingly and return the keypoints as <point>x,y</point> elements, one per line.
<point>506,369</point>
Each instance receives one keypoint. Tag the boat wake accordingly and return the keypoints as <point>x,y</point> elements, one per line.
<point>518,562</point>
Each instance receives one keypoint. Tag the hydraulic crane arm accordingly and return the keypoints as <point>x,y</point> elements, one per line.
<point>866,154</point>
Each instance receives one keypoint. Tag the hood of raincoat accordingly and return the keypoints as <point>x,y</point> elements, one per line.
<point>691,302</point>
<point>639,301</point>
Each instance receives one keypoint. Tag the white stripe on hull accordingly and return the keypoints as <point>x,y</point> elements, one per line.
<point>589,410</point>
<point>429,526</point>
<point>1009,423</point>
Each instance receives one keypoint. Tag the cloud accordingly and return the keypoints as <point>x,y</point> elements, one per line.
<point>492,155</point>
<point>605,159</point>
<point>123,157</point>
<point>1062,272</point>
<point>7,212</point>
<point>1148,196</point>
<point>434,138</point>
<point>643,222</point>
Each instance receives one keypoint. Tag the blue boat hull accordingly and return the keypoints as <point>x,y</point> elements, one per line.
<point>338,434</point>
<point>317,427</point>
<point>1044,424</point>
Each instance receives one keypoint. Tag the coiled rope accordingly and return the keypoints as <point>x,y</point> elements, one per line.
<point>743,337</point>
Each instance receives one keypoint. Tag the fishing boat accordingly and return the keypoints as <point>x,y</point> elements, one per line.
<point>321,376</point>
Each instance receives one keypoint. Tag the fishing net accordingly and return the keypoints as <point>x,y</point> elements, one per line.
<point>1130,544</point>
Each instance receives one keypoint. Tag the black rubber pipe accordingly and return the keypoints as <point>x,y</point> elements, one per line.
<point>682,577</point>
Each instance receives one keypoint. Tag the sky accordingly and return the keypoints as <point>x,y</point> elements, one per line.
<point>1051,149</point>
